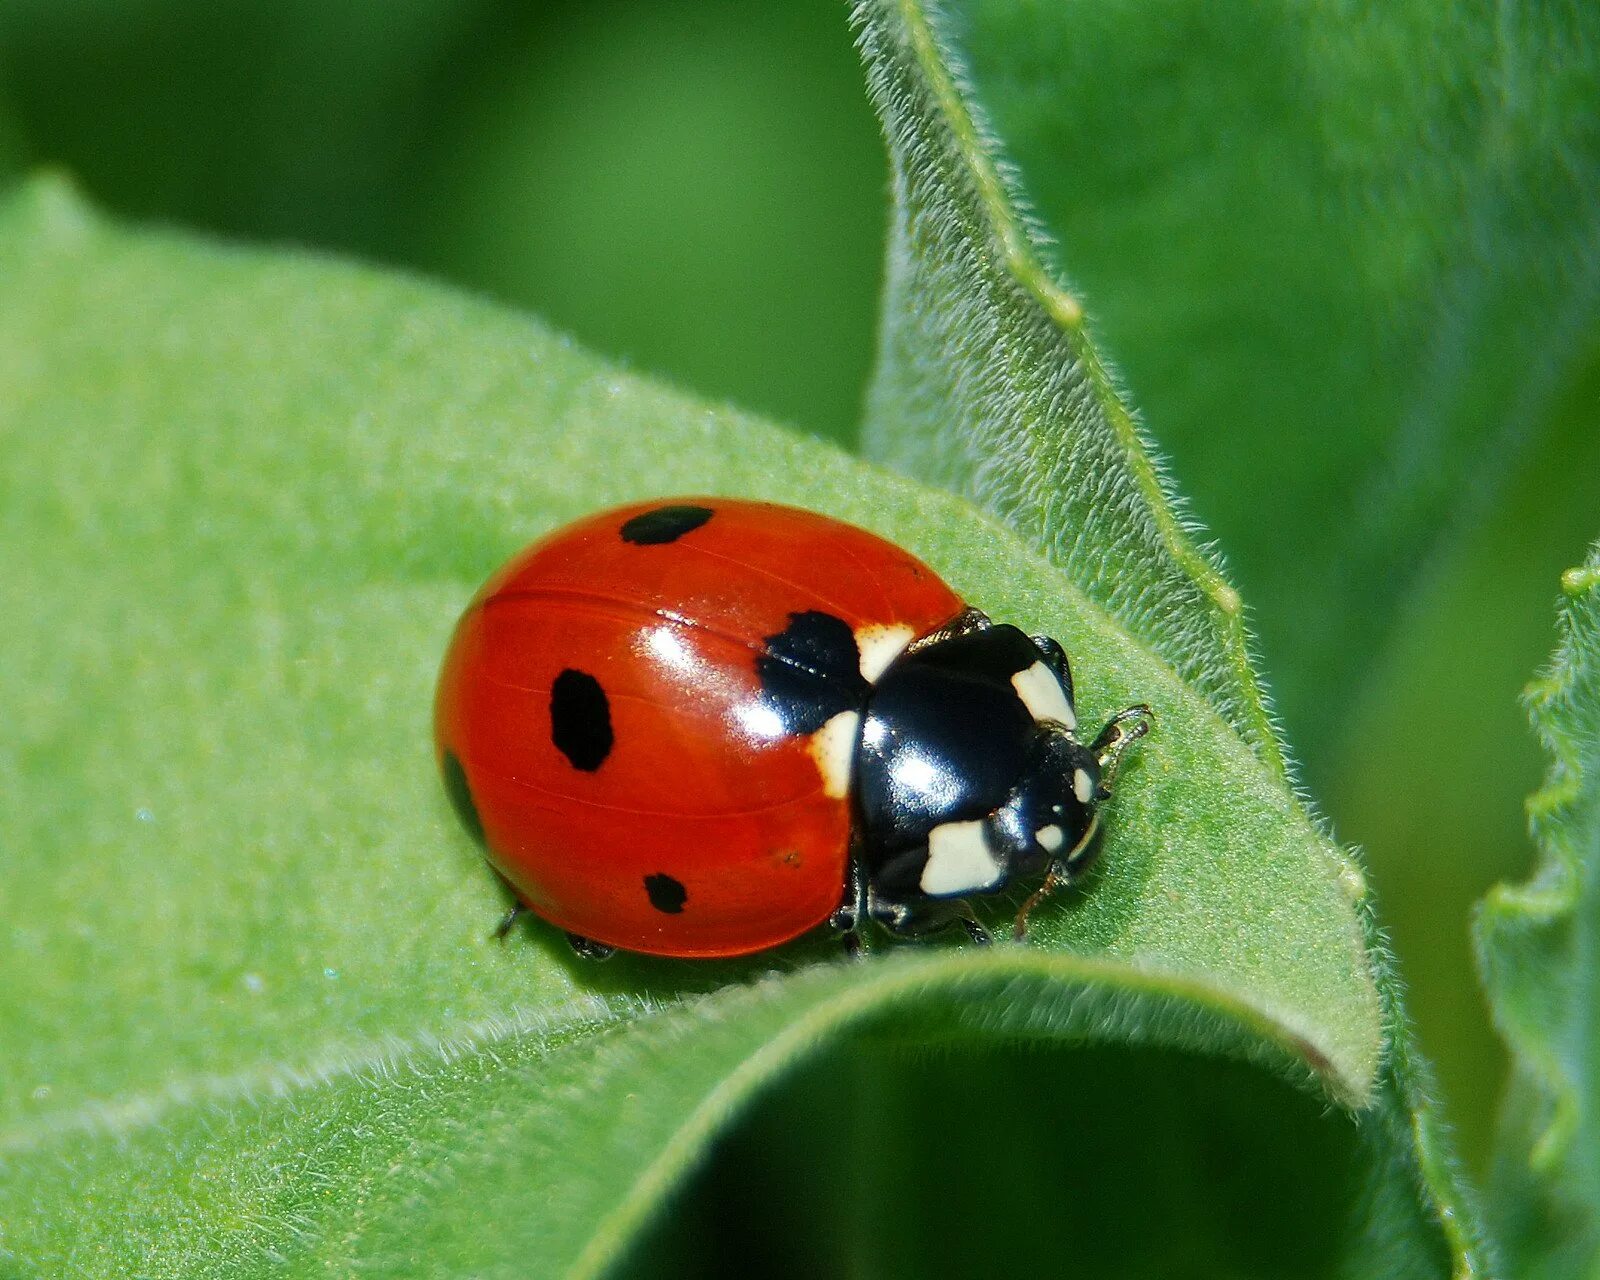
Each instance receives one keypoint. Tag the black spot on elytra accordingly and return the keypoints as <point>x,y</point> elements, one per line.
<point>455,786</point>
<point>811,670</point>
<point>664,524</point>
<point>666,894</point>
<point>580,719</point>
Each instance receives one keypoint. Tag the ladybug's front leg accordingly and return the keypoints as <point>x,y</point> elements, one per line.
<point>1059,875</point>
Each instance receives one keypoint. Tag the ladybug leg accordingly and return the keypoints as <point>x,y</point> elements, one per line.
<point>905,920</point>
<point>1062,872</point>
<point>976,933</point>
<point>585,947</point>
<point>513,912</point>
<point>589,949</point>
<point>964,623</point>
<point>1121,731</point>
<point>1054,879</point>
<point>852,909</point>
<point>508,920</point>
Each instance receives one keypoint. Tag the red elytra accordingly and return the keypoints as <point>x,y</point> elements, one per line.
<point>601,720</point>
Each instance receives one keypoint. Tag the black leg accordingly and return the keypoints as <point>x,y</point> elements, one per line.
<point>509,919</point>
<point>589,949</point>
<point>964,623</point>
<point>921,919</point>
<point>976,933</point>
<point>852,909</point>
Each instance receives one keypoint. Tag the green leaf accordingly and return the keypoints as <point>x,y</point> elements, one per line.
<point>1537,956</point>
<point>1374,233</point>
<point>13,150</point>
<point>988,383</point>
<point>252,1017</point>
<point>1348,258</point>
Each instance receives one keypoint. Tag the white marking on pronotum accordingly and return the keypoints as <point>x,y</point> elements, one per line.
<point>959,861</point>
<point>879,644</point>
<point>1082,785</point>
<point>1050,838</point>
<point>833,747</point>
<point>1042,694</point>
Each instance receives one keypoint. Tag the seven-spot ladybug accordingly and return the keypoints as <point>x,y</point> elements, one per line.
<point>705,726</point>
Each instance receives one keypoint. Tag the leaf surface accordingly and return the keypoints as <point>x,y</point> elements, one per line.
<point>1350,262</point>
<point>253,1018</point>
<point>989,383</point>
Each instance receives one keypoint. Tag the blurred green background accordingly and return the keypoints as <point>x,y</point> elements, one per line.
<point>698,187</point>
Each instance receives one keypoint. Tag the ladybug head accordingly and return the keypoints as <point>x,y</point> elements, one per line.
<point>1050,815</point>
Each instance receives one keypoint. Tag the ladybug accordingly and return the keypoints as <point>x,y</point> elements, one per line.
<point>702,727</point>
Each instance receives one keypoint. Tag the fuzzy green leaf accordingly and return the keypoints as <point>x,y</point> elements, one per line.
<point>252,1013</point>
<point>1372,233</point>
<point>1537,950</point>
<point>988,383</point>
